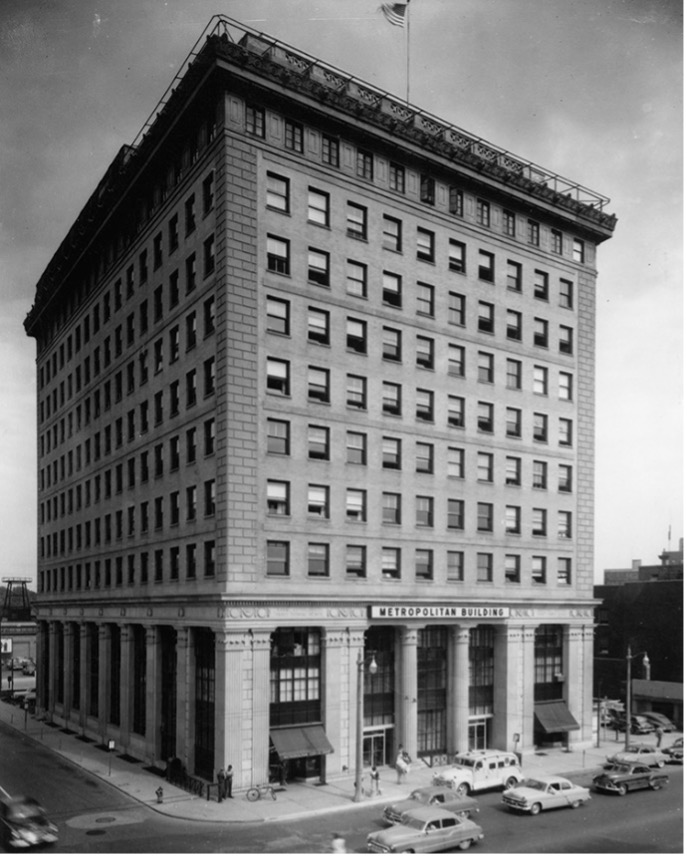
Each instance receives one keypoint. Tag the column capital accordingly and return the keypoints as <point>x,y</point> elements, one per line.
<point>332,638</point>
<point>460,634</point>
<point>408,635</point>
<point>260,640</point>
<point>229,641</point>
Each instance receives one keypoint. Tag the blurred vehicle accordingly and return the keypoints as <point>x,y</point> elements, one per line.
<point>536,794</point>
<point>622,777</point>
<point>426,829</point>
<point>442,797</point>
<point>675,752</point>
<point>29,668</point>
<point>16,663</point>
<point>638,724</point>
<point>19,695</point>
<point>649,755</point>
<point>476,770</point>
<point>658,719</point>
<point>24,823</point>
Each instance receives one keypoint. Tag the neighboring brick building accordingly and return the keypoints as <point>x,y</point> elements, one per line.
<point>316,374</point>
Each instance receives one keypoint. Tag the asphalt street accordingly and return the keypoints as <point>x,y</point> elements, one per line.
<point>94,817</point>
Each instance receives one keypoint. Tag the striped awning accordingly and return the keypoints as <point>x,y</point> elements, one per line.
<point>307,741</point>
<point>555,717</point>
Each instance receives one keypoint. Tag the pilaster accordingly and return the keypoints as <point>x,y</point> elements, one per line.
<point>459,690</point>
<point>407,734</point>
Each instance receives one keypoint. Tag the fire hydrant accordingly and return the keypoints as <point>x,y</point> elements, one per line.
<point>159,793</point>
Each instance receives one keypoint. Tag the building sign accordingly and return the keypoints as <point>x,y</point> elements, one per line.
<point>438,612</point>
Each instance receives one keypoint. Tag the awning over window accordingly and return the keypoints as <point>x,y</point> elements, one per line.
<point>555,717</point>
<point>310,741</point>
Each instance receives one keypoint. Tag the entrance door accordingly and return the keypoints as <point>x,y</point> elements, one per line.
<point>477,735</point>
<point>374,750</point>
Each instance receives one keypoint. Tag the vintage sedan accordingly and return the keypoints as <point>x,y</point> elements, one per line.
<point>426,829</point>
<point>658,719</point>
<point>676,751</point>
<point>23,823</point>
<point>536,794</point>
<point>649,755</point>
<point>623,777</point>
<point>446,799</point>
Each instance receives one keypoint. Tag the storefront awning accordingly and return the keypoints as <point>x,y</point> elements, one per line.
<point>310,741</point>
<point>555,717</point>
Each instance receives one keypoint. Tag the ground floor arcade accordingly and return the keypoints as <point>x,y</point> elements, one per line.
<point>275,690</point>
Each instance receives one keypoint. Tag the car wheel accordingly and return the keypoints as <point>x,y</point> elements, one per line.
<point>510,783</point>
<point>622,789</point>
<point>464,844</point>
<point>660,763</point>
<point>534,810</point>
<point>576,804</point>
<point>463,789</point>
<point>655,785</point>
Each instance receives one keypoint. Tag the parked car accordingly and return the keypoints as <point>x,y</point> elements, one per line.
<point>477,770</point>
<point>536,794</point>
<point>675,752</point>
<point>446,799</point>
<point>638,724</point>
<point>622,777</point>
<point>24,823</point>
<point>649,755</point>
<point>29,669</point>
<point>658,719</point>
<point>426,829</point>
<point>19,695</point>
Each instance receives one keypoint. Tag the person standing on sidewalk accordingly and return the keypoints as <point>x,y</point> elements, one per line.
<point>374,781</point>
<point>228,781</point>
<point>220,785</point>
<point>659,737</point>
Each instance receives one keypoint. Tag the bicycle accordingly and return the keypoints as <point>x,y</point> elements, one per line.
<point>256,792</point>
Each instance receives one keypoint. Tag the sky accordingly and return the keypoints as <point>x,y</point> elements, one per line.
<point>589,89</point>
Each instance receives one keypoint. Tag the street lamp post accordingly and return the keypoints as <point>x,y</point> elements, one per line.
<point>362,661</point>
<point>628,690</point>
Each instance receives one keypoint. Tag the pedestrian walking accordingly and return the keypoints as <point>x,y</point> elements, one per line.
<point>338,843</point>
<point>659,737</point>
<point>221,777</point>
<point>402,761</point>
<point>228,781</point>
<point>374,781</point>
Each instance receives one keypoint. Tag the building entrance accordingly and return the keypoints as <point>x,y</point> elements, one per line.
<point>478,735</point>
<point>375,749</point>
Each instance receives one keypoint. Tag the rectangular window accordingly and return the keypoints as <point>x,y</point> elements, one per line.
<point>364,165</point>
<point>514,276</point>
<point>485,568</point>
<point>277,558</point>
<point>318,326</point>
<point>318,560</point>
<point>356,508</point>
<point>318,384</point>
<point>512,519</point>
<point>557,241</point>
<point>485,467</point>
<point>513,471</point>
<point>485,266</point>
<point>391,344</point>
<point>455,462</point>
<point>565,386</point>
<point>541,285</point>
<point>538,522</point>
<point>356,335</point>
<point>485,367</point>
<point>485,417</point>
<point>356,561</point>
<point>485,317</point>
<point>424,511</point>
<point>578,250</point>
<point>255,121</point>
<point>278,196</point>
<point>424,405</point>
<point>356,279</point>
<point>391,233</point>
<point>540,380</point>
<point>539,474</point>
<point>564,524</point>
<point>424,564</point>
<point>533,233</point>
<point>565,294</point>
<point>356,392</point>
<point>278,436</point>
<point>425,245</point>
<point>391,453</point>
<point>391,563</point>
<point>391,398</point>
<point>356,221</point>
<point>173,233</point>
<point>456,256</point>
<point>391,508</point>
<point>455,201</point>
<point>508,223</point>
<point>277,497</point>
<point>485,517</point>
<point>424,355</point>
<point>427,190</point>
<point>318,207</point>
<point>513,325</point>
<point>209,192</point>
<point>397,178</point>
<point>318,267</point>
<point>190,273</point>
<point>293,136</point>
<point>565,431</point>
<point>539,570</point>
<point>278,255</point>
<point>512,568</point>
<point>456,412</point>
<point>456,361</point>
<point>356,448</point>
<point>540,427</point>
<point>330,150</point>
<point>513,374</point>
<point>318,501</point>
<point>564,576</point>
<point>278,316</point>
<point>391,289</point>
<point>483,213</point>
<point>565,340</point>
<point>455,514</point>
<point>278,380</point>
<point>424,458</point>
<point>318,442</point>
<point>541,333</point>
<point>565,478</point>
<point>456,309</point>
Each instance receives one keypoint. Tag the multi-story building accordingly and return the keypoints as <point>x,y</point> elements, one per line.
<point>316,378</point>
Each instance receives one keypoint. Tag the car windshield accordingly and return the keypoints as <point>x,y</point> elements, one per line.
<point>417,795</point>
<point>412,822</point>
<point>464,761</point>
<point>25,812</point>
<point>619,770</point>
<point>532,783</point>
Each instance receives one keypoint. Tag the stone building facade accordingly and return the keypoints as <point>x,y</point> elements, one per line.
<point>316,385</point>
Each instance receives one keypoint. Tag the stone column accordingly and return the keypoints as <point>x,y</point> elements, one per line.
<point>509,691</point>
<point>407,734</point>
<point>185,694</point>
<point>459,690</point>
<point>229,694</point>
<point>258,764</point>
<point>152,736</point>
<point>125,673</point>
<point>84,677</point>
<point>578,670</point>
<point>104,673</point>
<point>52,662</point>
<point>527,645</point>
<point>68,668</point>
<point>349,703</point>
<point>332,668</point>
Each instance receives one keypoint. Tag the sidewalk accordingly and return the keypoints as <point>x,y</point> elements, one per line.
<point>293,800</point>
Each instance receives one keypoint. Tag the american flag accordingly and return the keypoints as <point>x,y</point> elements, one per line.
<point>395,13</point>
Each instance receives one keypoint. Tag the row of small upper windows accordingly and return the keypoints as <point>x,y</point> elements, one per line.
<point>114,347</point>
<point>319,212</point>
<point>356,561</point>
<point>136,471</point>
<point>485,213</point>
<point>124,287</point>
<point>124,430</point>
<point>353,506</point>
<point>134,569</point>
<point>123,523</point>
<point>318,265</point>
<point>354,393</point>
<point>318,325</point>
<point>388,454</point>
